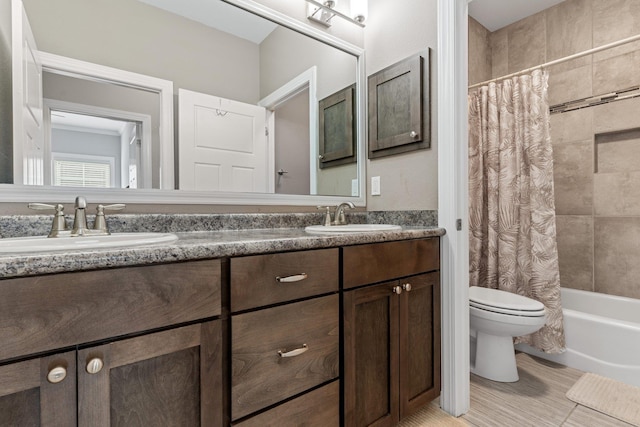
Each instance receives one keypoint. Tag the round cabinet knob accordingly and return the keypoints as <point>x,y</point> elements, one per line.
<point>321,157</point>
<point>397,290</point>
<point>413,134</point>
<point>94,365</point>
<point>57,374</point>
<point>406,287</point>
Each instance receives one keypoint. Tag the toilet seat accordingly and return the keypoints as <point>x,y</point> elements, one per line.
<point>502,302</point>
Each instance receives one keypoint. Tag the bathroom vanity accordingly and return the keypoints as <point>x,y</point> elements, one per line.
<point>246,328</point>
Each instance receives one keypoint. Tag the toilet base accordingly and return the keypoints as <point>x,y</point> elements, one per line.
<point>495,358</point>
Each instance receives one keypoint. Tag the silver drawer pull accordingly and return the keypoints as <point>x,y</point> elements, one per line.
<point>293,353</point>
<point>293,278</point>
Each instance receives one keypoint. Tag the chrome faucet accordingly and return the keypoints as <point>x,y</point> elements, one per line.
<point>339,218</point>
<point>80,227</point>
<point>80,218</point>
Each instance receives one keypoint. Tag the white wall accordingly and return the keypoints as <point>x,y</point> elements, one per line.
<point>395,30</point>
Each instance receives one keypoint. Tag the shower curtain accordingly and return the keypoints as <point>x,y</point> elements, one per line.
<point>511,202</point>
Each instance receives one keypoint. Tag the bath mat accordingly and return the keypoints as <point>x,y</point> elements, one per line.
<point>431,415</point>
<point>611,397</point>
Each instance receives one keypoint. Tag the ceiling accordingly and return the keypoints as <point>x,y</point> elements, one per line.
<point>219,15</point>
<point>495,14</point>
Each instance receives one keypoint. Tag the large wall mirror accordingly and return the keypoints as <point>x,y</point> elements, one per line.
<point>158,101</point>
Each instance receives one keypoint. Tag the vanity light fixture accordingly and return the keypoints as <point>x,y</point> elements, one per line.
<point>359,10</point>
<point>323,12</point>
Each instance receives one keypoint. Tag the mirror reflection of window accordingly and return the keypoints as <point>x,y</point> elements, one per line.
<point>93,151</point>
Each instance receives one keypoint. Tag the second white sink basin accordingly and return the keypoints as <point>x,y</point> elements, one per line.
<point>114,240</point>
<point>350,228</point>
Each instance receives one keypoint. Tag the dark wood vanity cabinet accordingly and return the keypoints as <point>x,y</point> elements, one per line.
<point>391,331</point>
<point>326,337</point>
<point>285,328</point>
<point>144,368</point>
<point>29,398</point>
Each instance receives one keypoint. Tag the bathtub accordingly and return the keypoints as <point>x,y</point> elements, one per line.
<point>602,335</point>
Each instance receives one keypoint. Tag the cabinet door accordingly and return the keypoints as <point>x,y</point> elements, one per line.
<point>39,392</point>
<point>169,378</point>
<point>419,342</point>
<point>371,340</point>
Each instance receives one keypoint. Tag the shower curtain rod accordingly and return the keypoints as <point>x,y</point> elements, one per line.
<point>561,60</point>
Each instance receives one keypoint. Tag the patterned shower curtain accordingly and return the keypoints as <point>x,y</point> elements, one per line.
<point>512,225</point>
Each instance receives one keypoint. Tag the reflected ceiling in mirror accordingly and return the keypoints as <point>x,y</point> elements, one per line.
<point>242,68</point>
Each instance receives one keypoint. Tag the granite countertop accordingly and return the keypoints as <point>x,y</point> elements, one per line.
<point>197,245</point>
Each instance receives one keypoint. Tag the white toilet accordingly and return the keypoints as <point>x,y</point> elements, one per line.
<point>495,318</point>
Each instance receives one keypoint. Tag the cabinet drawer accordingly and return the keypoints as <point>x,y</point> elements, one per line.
<point>43,313</point>
<point>267,279</point>
<point>260,375</point>
<point>378,262</point>
<point>320,407</point>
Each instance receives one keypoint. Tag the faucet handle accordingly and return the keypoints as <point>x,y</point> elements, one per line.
<point>59,224</point>
<point>114,207</point>
<point>100,223</point>
<point>327,216</point>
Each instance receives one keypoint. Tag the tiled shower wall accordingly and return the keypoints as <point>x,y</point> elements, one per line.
<point>596,149</point>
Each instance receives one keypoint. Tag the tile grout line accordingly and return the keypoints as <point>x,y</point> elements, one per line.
<point>569,415</point>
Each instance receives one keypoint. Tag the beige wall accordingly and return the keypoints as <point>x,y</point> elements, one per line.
<point>132,36</point>
<point>396,30</point>
<point>597,169</point>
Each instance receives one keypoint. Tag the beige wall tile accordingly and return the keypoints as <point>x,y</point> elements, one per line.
<point>618,72</point>
<point>527,42</point>
<point>568,28</point>
<point>499,53</point>
<point>617,256</point>
<point>479,53</point>
<point>573,178</point>
<point>616,116</point>
<point>616,194</point>
<point>573,126</point>
<point>575,251</point>
<point>569,85</point>
<point>617,152</point>
<point>615,20</point>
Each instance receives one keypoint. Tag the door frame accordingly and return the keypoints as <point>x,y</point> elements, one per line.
<point>164,88</point>
<point>305,80</point>
<point>452,20</point>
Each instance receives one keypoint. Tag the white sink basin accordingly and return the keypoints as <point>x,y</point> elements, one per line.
<point>350,228</point>
<point>115,240</point>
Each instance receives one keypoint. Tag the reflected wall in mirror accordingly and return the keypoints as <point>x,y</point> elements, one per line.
<point>182,46</point>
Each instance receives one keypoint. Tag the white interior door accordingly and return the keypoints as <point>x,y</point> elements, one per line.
<point>28,129</point>
<point>222,144</point>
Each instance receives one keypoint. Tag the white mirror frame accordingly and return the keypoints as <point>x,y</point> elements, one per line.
<point>18,193</point>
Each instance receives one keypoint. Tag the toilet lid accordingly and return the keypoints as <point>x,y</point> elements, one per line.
<point>504,302</point>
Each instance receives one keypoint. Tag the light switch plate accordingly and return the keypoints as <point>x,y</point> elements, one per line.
<point>375,185</point>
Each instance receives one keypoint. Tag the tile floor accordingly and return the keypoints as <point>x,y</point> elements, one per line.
<point>538,399</point>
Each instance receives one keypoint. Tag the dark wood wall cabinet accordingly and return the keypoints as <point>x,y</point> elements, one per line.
<point>399,107</point>
<point>327,337</point>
